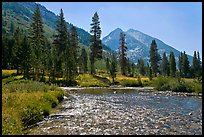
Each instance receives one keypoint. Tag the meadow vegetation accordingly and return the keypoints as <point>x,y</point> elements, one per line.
<point>25,102</point>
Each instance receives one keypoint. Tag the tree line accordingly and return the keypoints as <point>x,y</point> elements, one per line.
<point>34,56</point>
<point>159,66</point>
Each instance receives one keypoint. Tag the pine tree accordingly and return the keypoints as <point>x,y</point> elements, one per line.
<point>172,64</point>
<point>164,64</point>
<point>107,65</point>
<point>96,45</point>
<point>37,42</point>
<point>180,64</point>
<point>123,54</point>
<point>129,66</point>
<point>11,52</point>
<point>113,67</point>
<point>48,60</point>
<point>74,48</point>
<point>185,65</point>
<point>154,58</point>
<point>194,66</point>
<point>64,64</point>
<point>26,51</point>
<point>150,73</point>
<point>168,68</point>
<point>60,43</point>
<point>17,55</point>
<point>133,69</point>
<point>84,60</point>
<point>141,67</point>
<point>5,51</point>
<point>199,65</point>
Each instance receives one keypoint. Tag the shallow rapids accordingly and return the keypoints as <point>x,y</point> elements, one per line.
<point>123,111</point>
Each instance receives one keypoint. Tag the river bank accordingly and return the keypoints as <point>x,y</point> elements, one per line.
<point>124,112</point>
<point>144,89</point>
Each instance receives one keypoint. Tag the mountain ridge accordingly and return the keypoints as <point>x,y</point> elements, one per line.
<point>21,14</point>
<point>138,44</point>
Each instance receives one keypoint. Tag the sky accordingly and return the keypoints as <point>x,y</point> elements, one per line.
<point>178,24</point>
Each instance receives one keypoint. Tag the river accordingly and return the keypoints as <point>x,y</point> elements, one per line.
<point>128,111</point>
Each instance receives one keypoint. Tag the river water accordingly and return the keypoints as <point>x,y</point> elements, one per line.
<point>124,112</point>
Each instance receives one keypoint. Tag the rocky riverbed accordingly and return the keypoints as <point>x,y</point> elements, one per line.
<point>124,112</point>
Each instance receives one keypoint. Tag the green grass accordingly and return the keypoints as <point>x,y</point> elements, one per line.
<point>26,102</point>
<point>88,80</point>
<point>177,85</point>
<point>104,80</point>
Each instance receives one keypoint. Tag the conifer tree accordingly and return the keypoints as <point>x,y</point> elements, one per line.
<point>84,60</point>
<point>129,66</point>
<point>96,45</point>
<point>123,54</point>
<point>164,65</point>
<point>150,73</point>
<point>185,65</point>
<point>172,64</point>
<point>37,42</point>
<point>26,51</point>
<point>113,67</point>
<point>17,55</point>
<point>141,67</point>
<point>154,58</point>
<point>74,48</point>
<point>194,66</point>
<point>133,69</point>
<point>199,65</point>
<point>107,65</point>
<point>180,64</point>
<point>65,62</point>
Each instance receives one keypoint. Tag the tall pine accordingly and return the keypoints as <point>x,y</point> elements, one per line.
<point>154,58</point>
<point>26,51</point>
<point>37,42</point>
<point>74,49</point>
<point>164,64</point>
<point>107,65</point>
<point>84,60</point>
<point>185,65</point>
<point>180,64</point>
<point>96,45</point>
<point>123,54</point>
<point>172,64</point>
<point>113,68</point>
<point>141,67</point>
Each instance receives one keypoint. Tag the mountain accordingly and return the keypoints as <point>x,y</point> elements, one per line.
<point>20,14</point>
<point>138,45</point>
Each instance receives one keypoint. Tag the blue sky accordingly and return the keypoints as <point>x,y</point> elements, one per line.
<point>178,24</point>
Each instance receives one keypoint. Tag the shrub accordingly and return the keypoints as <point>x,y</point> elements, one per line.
<point>130,83</point>
<point>178,87</point>
<point>161,83</point>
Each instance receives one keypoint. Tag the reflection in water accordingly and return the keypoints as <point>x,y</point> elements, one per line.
<point>106,111</point>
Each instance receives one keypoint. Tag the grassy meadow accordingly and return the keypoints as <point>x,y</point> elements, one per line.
<point>25,102</point>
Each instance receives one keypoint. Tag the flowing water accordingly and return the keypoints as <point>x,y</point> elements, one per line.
<point>123,111</point>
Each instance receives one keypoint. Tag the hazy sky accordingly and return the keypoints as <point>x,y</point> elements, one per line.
<point>178,24</point>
